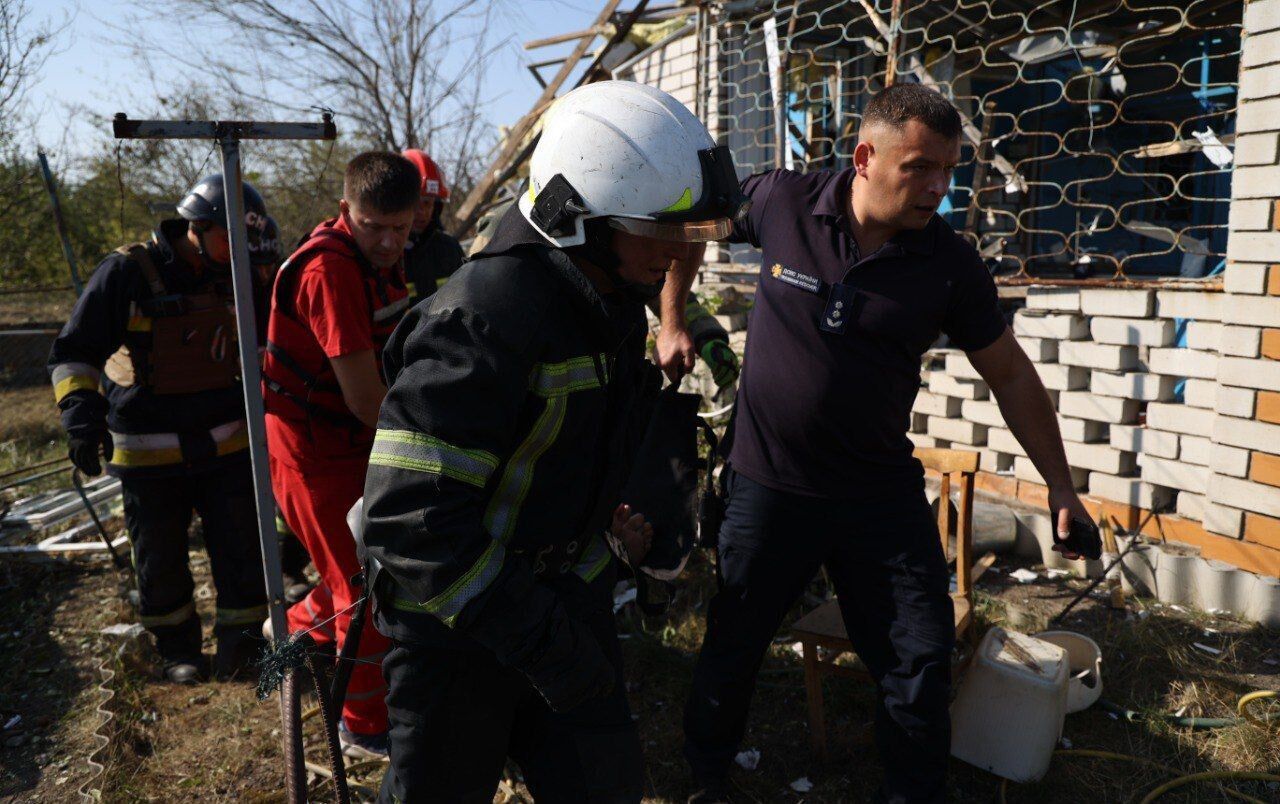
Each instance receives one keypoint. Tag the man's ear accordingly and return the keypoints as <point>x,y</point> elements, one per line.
<point>344,209</point>
<point>862,154</point>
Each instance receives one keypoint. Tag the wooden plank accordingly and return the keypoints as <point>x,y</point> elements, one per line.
<point>947,460</point>
<point>534,44</point>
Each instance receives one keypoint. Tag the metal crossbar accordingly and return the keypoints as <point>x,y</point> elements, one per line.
<point>1106,127</point>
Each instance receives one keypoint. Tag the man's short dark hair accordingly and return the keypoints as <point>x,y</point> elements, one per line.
<point>895,105</point>
<point>382,181</point>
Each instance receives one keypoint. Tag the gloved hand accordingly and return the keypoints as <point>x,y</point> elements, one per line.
<point>83,450</point>
<point>722,361</point>
<point>571,669</point>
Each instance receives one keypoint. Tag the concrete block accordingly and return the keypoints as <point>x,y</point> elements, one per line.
<point>935,405</point>
<point>1140,439</point>
<point>1174,474</point>
<point>958,431</point>
<point>1175,362</point>
<point>982,412</point>
<point>1223,520</point>
<point>1132,331</point>
<point>1255,311</point>
<point>1246,433</point>
<point>1116,302</point>
<point>1194,449</point>
<point>1203,335</point>
<point>1258,149</point>
<point>1201,393</point>
<point>1245,495</point>
<point>1002,440</point>
<point>1229,461</point>
<point>1240,341</point>
<point>1259,83</point>
<point>1194,304</point>
<point>1238,402</point>
<point>958,366</point>
<point>927,441</point>
<point>1249,215</point>
<point>1190,505</point>
<point>1024,469</point>
<point>1129,490</point>
<point>1259,181</point>
<point>1247,277</point>
<point>1084,405</point>
<point>1132,385</point>
<point>1242,372</point>
<point>1261,16</point>
<point>1176,418</point>
<point>1260,49</point>
<point>1058,326</point>
<point>991,461</point>
<point>1088,354</point>
<point>1082,431</point>
<point>943,383</point>
<point>1099,458</point>
<point>1066,300</point>
<point>1040,350</point>
<point>1057,377</point>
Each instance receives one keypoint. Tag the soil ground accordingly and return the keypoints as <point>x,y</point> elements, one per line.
<point>217,742</point>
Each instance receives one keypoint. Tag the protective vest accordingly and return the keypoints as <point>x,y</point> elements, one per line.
<point>300,390</point>
<point>176,343</point>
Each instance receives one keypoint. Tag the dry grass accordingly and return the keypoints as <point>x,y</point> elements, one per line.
<point>30,431</point>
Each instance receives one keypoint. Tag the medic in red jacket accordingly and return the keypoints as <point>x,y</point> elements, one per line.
<point>336,300</point>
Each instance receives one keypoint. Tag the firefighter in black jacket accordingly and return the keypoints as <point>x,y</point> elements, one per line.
<point>156,330</point>
<point>501,451</point>
<point>432,254</point>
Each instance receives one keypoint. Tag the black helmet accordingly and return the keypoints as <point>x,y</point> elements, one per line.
<point>265,250</point>
<point>205,202</point>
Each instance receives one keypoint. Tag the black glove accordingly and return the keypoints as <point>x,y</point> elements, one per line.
<point>1082,539</point>
<point>83,450</point>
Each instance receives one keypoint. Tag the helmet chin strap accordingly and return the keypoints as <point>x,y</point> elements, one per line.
<point>598,249</point>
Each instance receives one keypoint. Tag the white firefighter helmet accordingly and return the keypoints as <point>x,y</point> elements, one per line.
<point>636,156</point>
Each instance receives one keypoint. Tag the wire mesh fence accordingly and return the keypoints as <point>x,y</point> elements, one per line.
<point>1097,135</point>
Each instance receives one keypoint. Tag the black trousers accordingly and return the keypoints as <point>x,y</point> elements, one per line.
<point>884,556</point>
<point>158,514</point>
<point>456,715</point>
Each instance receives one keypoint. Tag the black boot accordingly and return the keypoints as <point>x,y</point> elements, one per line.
<point>238,652</point>
<point>179,649</point>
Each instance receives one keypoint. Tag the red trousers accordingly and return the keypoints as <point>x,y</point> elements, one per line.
<point>315,504</point>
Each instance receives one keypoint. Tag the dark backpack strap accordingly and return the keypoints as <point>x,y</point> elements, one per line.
<point>141,254</point>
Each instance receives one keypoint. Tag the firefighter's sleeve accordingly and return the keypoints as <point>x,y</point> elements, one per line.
<point>93,332</point>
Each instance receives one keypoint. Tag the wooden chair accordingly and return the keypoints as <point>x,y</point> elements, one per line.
<point>824,627</point>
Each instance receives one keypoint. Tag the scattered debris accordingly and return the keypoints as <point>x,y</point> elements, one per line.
<point>1206,648</point>
<point>749,759</point>
<point>1065,743</point>
<point>1056,573</point>
<point>622,598</point>
<point>1024,575</point>
<point>802,785</point>
<point>129,630</point>
<point>13,721</point>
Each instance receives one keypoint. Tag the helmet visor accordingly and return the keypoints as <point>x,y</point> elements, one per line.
<point>687,232</point>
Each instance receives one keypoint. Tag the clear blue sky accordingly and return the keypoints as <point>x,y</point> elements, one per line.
<point>93,72</point>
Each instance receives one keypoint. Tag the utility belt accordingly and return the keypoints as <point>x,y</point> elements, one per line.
<point>134,450</point>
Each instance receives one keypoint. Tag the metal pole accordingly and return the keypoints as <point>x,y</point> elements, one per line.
<point>247,330</point>
<point>57,219</point>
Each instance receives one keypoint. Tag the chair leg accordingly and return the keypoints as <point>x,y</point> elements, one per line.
<point>813,692</point>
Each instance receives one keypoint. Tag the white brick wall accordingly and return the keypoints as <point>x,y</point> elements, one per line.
<point>1223,520</point>
<point>1246,433</point>
<point>1263,374</point>
<point>1115,302</point>
<point>1145,387</point>
<point>1195,304</point>
<point>1258,149</point>
<point>958,366</point>
<point>1024,469</point>
<point>1240,341</point>
<point>1003,441</point>
<point>1194,449</point>
<point>1246,277</point>
<point>1083,431</point>
<point>942,383</point>
<point>1098,355</point>
<point>1236,401</point>
<point>1048,298</point>
<point>1130,490</point>
<point>1201,394</point>
<point>1261,16</point>
<point>1204,335</point>
<point>1190,505</point>
<point>1099,458</point>
<point>1260,49</point>
<point>1062,378</point>
<point>1230,461</point>
<point>1251,215</point>
<point>1140,439</point>
<point>1254,311</point>
<point>1174,362</point>
<point>1040,350</point>
<point>1246,495</point>
<point>982,412</point>
<point>1059,326</point>
<point>958,430</point>
<point>936,405</point>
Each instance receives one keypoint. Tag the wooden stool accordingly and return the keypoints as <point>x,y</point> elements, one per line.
<point>824,627</point>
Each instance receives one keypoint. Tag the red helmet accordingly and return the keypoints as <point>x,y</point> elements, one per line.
<point>432,178</point>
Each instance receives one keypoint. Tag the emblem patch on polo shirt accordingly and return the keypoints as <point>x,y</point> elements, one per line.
<point>796,279</point>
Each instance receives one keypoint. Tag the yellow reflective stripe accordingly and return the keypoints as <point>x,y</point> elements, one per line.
<point>594,559</point>
<point>449,604</point>
<point>77,382</point>
<point>160,449</point>
<point>145,457</point>
<point>413,288</point>
<point>574,374</point>
<point>419,452</point>
<point>504,507</point>
<point>139,323</point>
<point>440,282</point>
<point>178,617</point>
<point>250,616</point>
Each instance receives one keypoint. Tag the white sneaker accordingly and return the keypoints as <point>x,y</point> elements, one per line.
<point>361,746</point>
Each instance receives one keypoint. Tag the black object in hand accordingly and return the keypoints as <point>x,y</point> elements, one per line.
<point>83,451</point>
<point>1083,539</point>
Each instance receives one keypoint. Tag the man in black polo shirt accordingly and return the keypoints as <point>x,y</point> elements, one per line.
<point>859,276</point>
